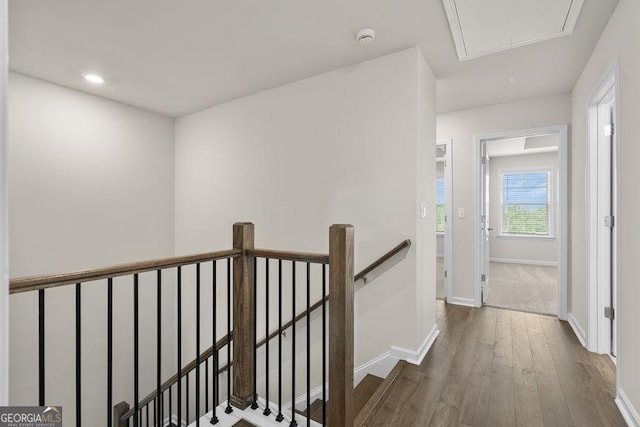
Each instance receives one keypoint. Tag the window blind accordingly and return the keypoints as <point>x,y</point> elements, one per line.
<point>526,199</point>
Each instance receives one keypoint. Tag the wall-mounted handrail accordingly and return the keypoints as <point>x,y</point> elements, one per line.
<point>383,260</point>
<point>26,284</point>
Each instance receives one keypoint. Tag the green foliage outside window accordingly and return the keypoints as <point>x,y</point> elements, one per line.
<point>440,214</point>
<point>526,220</point>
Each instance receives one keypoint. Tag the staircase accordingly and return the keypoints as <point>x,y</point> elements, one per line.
<point>366,397</point>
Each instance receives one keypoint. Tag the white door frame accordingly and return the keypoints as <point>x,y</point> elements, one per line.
<point>562,208</point>
<point>598,338</point>
<point>448,231</point>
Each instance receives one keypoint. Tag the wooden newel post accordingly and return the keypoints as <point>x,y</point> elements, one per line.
<point>341,325</point>
<point>118,411</point>
<point>243,318</point>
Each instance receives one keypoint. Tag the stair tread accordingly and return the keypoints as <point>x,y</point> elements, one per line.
<point>244,423</point>
<point>364,390</point>
<point>364,412</point>
<point>362,393</point>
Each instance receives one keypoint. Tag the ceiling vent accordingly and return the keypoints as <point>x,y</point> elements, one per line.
<point>485,27</point>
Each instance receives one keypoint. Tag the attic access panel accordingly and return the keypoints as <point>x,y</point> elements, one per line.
<point>484,27</point>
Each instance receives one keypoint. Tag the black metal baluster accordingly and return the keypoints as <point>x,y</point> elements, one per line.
<point>324,345</point>
<point>308,345</point>
<point>179,401</point>
<point>293,422</point>
<point>217,380</point>
<point>187,401</point>
<point>280,417</point>
<point>78,356</point>
<point>228,409</point>
<point>214,364</point>
<point>136,367</point>
<point>267,411</point>
<point>254,405</point>
<point>206,385</point>
<point>159,349</point>
<point>41,346</point>
<point>147,413</point>
<point>110,352</point>
<point>170,403</point>
<point>197,370</point>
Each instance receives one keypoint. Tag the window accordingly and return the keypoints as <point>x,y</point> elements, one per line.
<point>526,203</point>
<point>440,206</point>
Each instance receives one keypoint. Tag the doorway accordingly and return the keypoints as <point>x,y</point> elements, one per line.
<point>444,224</point>
<point>601,210</point>
<point>521,230</point>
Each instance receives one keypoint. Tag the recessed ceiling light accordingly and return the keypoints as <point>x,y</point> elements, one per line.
<point>93,78</point>
<point>366,35</point>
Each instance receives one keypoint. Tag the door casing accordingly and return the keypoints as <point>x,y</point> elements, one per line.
<point>601,333</point>
<point>562,208</point>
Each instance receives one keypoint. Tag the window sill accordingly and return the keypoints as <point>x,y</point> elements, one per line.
<point>525,237</point>
<point>439,233</point>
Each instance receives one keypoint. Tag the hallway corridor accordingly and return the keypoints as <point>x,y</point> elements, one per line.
<point>494,367</point>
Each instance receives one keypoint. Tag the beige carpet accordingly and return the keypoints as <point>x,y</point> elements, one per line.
<point>524,287</point>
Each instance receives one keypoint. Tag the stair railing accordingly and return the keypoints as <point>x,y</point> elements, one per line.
<point>240,341</point>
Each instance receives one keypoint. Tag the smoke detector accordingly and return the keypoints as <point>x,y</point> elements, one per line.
<point>366,35</point>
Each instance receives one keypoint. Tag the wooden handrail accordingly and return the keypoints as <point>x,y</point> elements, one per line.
<point>289,256</point>
<point>26,284</point>
<point>383,259</point>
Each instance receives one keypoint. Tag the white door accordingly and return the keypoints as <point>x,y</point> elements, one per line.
<point>606,216</point>
<point>484,221</point>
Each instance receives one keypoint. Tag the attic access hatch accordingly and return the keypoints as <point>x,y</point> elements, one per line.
<point>484,27</point>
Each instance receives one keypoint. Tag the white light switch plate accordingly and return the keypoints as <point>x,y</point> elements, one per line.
<point>462,212</point>
<point>423,210</point>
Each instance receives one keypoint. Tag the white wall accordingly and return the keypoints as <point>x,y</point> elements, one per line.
<point>345,146</point>
<point>619,41</point>
<point>91,184</point>
<point>532,249</point>
<point>425,193</point>
<point>4,210</point>
<point>462,127</point>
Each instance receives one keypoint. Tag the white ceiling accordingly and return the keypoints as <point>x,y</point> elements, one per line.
<point>547,143</point>
<point>176,57</point>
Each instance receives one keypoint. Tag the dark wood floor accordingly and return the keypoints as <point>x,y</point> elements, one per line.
<point>493,367</point>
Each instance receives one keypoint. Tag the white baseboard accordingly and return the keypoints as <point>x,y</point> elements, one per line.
<point>524,261</point>
<point>467,302</point>
<point>627,410</point>
<point>173,420</point>
<point>416,356</point>
<point>582,337</point>
<point>379,366</point>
